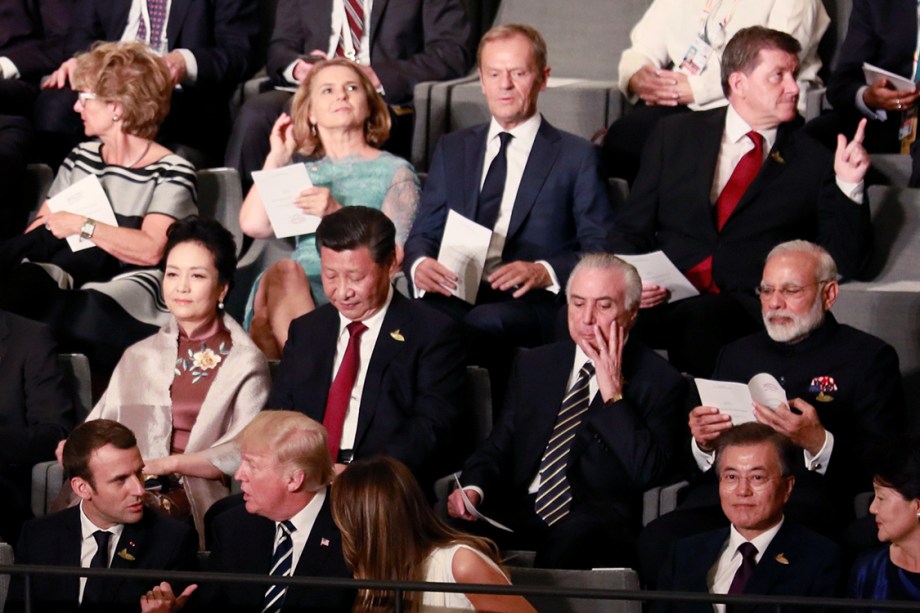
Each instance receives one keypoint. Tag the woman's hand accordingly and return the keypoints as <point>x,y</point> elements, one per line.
<point>62,224</point>
<point>282,143</point>
<point>317,201</point>
<point>160,466</point>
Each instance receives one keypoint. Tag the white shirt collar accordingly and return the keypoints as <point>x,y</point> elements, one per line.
<point>88,528</point>
<point>736,128</point>
<point>761,541</point>
<point>525,132</point>
<point>375,320</point>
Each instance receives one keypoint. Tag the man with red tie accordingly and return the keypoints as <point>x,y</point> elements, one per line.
<point>384,374</point>
<point>718,189</point>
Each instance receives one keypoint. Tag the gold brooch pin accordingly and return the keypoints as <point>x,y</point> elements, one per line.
<point>782,559</point>
<point>396,336</point>
<point>777,157</point>
<point>123,554</point>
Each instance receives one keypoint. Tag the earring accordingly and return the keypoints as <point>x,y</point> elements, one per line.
<point>116,118</point>
<point>313,129</point>
<point>220,307</point>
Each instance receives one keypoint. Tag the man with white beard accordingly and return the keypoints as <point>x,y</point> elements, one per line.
<point>845,397</point>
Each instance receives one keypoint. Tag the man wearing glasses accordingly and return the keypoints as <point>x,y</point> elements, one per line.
<point>845,397</point>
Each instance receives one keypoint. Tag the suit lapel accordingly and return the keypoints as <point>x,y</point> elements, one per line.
<point>323,540</point>
<point>176,18</point>
<point>70,539</point>
<point>324,336</point>
<point>780,155</point>
<point>708,555</point>
<point>707,150</point>
<point>553,386</point>
<point>385,350</point>
<point>4,333</point>
<point>470,175</point>
<point>376,15</point>
<point>539,164</point>
<point>777,560</point>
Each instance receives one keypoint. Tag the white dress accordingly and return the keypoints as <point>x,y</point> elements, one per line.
<point>439,568</point>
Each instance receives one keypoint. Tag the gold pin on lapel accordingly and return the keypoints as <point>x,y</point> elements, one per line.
<point>777,157</point>
<point>782,559</point>
<point>396,336</point>
<point>125,555</point>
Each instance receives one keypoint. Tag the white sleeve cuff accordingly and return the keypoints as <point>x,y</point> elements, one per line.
<point>554,287</point>
<point>704,459</point>
<point>416,291</point>
<point>478,490</point>
<point>879,114</point>
<point>191,65</point>
<point>8,69</point>
<point>288,73</point>
<point>819,462</point>
<point>853,191</point>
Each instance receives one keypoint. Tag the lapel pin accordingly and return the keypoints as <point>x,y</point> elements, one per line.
<point>782,559</point>
<point>324,542</point>
<point>777,157</point>
<point>123,554</point>
<point>396,336</point>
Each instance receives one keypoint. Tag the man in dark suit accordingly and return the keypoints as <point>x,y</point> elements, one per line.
<point>109,528</point>
<point>541,194</point>
<point>400,44</point>
<point>761,552</point>
<point>718,189</point>
<point>382,373</point>
<point>35,413</point>
<point>845,398</point>
<point>206,44</point>
<point>566,470</point>
<point>284,529</point>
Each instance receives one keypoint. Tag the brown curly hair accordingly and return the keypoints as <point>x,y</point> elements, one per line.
<point>376,128</point>
<point>131,74</point>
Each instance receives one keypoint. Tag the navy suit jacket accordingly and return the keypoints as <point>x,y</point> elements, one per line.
<point>794,196</point>
<point>411,398</point>
<point>562,207</point>
<point>798,562</point>
<point>619,450</point>
<point>244,543</point>
<point>219,33</point>
<point>883,33</point>
<point>154,542</point>
<point>411,40</point>
<point>32,35</point>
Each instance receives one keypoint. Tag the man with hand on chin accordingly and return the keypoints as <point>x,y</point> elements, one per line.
<point>588,425</point>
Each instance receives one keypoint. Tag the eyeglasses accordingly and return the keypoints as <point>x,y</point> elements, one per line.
<point>757,482</point>
<point>84,96</point>
<point>789,292</point>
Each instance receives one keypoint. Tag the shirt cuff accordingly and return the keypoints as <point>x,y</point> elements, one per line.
<point>191,66</point>
<point>418,293</point>
<point>288,73</point>
<point>819,462</point>
<point>853,191</point>
<point>554,286</point>
<point>478,490</point>
<point>8,69</point>
<point>704,459</point>
<point>879,115</point>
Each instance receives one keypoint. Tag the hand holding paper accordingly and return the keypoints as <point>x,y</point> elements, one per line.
<point>463,252</point>
<point>655,268</point>
<point>279,189</point>
<point>737,399</point>
<point>471,509</point>
<point>87,199</point>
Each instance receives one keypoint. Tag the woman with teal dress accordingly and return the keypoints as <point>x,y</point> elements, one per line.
<point>893,572</point>
<point>338,122</point>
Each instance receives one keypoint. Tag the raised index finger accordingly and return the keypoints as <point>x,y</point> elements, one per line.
<point>860,132</point>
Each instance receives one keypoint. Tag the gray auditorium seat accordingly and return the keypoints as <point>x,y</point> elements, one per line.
<point>220,197</point>
<point>6,558</point>
<point>606,579</point>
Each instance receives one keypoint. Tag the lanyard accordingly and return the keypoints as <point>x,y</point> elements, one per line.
<point>708,10</point>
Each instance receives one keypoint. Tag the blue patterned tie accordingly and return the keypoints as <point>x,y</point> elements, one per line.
<point>156,10</point>
<point>554,496</point>
<point>281,567</point>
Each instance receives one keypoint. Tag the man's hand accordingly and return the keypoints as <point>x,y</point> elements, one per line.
<point>851,161</point>
<point>432,276</point>
<point>662,87</point>
<point>525,276</point>
<point>62,77</point>
<point>653,295</point>
<point>607,354</point>
<point>706,424</point>
<point>317,201</point>
<point>178,70</point>
<point>59,451</point>
<point>880,96</point>
<point>162,600</point>
<point>803,430</point>
<point>456,507</point>
<point>375,80</point>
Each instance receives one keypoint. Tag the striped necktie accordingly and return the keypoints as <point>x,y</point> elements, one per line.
<point>281,567</point>
<point>156,10</point>
<point>354,17</point>
<point>554,496</point>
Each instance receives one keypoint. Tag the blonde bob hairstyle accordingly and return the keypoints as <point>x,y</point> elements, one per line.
<point>293,439</point>
<point>129,73</point>
<point>388,529</point>
<point>376,128</point>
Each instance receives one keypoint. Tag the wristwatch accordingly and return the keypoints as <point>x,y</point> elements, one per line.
<point>87,229</point>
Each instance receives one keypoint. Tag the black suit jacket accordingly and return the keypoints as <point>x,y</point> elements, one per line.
<point>798,562</point>
<point>619,449</point>
<point>219,33</point>
<point>35,410</point>
<point>883,33</point>
<point>411,40</point>
<point>32,35</point>
<point>411,397</point>
<point>154,542</point>
<point>561,209</point>
<point>794,196</point>
<point>244,543</point>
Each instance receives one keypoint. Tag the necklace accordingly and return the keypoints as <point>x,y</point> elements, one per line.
<point>137,159</point>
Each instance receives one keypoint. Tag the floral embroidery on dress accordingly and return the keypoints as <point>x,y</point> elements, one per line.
<point>197,364</point>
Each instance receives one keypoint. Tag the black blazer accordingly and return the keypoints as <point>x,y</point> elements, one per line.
<point>619,450</point>
<point>411,40</point>
<point>794,196</point>
<point>798,562</point>
<point>243,543</point>
<point>411,398</point>
<point>219,33</point>
<point>35,409</point>
<point>561,209</point>
<point>32,35</point>
<point>155,542</point>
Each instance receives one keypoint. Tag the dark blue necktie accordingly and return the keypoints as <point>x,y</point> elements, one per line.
<point>281,567</point>
<point>490,197</point>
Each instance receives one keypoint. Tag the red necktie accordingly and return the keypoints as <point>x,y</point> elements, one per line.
<point>340,390</point>
<point>354,15</point>
<point>742,177</point>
